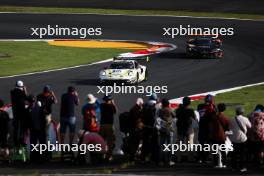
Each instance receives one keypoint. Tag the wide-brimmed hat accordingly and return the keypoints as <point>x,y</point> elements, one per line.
<point>91,99</point>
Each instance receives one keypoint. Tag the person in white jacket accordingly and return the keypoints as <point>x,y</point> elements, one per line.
<point>239,126</point>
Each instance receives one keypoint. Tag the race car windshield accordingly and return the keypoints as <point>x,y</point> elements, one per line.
<point>203,42</point>
<point>124,65</point>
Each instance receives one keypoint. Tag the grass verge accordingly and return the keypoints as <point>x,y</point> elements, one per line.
<point>246,97</point>
<point>127,12</point>
<point>24,57</point>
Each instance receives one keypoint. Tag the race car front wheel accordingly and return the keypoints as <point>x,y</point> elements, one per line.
<point>218,55</point>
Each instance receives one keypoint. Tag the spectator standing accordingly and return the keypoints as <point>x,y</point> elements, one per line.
<point>185,116</point>
<point>20,121</point>
<point>4,120</point>
<point>108,111</point>
<point>167,115</point>
<point>218,126</point>
<point>206,110</point>
<point>150,144</point>
<point>239,126</point>
<point>67,114</point>
<point>90,114</point>
<point>47,99</point>
<point>256,134</point>
<point>135,124</point>
<point>37,127</point>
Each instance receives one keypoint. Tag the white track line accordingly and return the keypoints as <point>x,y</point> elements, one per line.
<point>97,174</point>
<point>170,16</point>
<point>214,93</point>
<point>59,69</point>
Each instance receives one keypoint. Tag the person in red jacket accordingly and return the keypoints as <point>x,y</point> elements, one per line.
<point>218,126</point>
<point>4,120</point>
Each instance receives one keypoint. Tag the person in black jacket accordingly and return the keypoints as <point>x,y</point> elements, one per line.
<point>37,128</point>
<point>47,99</point>
<point>18,100</point>
<point>108,110</point>
<point>150,144</point>
<point>185,116</point>
<point>135,127</point>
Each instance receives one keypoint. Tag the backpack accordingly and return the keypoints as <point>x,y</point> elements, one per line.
<point>258,126</point>
<point>124,122</point>
<point>166,127</point>
<point>90,123</point>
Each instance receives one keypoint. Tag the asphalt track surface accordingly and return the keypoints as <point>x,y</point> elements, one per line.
<point>231,6</point>
<point>242,64</point>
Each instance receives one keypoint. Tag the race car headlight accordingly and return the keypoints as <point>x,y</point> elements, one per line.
<point>130,73</point>
<point>214,50</point>
<point>191,45</point>
<point>103,73</point>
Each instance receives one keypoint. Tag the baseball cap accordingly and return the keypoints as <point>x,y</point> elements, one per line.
<point>107,97</point>
<point>153,96</point>
<point>47,88</point>
<point>19,83</point>
<point>208,98</point>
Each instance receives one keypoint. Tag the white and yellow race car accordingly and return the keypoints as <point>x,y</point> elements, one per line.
<point>128,71</point>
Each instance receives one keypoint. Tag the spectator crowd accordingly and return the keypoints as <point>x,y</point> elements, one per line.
<point>145,128</point>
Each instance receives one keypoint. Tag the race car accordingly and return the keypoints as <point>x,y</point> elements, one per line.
<point>204,47</point>
<point>128,71</point>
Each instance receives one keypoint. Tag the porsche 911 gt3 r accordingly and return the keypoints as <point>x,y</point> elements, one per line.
<point>128,71</point>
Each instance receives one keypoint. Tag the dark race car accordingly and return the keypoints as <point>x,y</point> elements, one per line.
<point>204,47</point>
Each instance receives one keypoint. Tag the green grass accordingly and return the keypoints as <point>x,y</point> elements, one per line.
<point>127,12</point>
<point>23,57</point>
<point>247,97</point>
